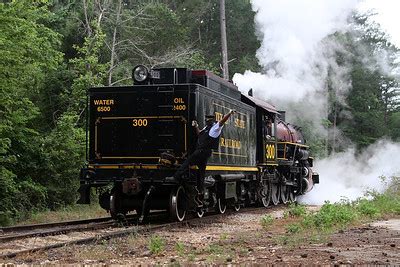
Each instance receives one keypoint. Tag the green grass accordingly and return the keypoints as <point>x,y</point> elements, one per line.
<point>156,244</point>
<point>75,212</point>
<point>266,221</point>
<point>180,248</point>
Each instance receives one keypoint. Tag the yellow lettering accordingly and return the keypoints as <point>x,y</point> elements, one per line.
<point>230,143</point>
<point>178,100</point>
<point>240,123</point>
<point>107,102</point>
<point>218,116</point>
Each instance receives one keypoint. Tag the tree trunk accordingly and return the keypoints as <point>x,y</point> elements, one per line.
<point>114,42</point>
<point>225,70</point>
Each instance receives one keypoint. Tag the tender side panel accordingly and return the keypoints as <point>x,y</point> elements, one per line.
<point>238,139</point>
<point>136,124</point>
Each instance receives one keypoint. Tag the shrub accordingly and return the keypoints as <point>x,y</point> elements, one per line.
<point>338,214</point>
<point>296,210</point>
<point>367,208</point>
<point>293,228</point>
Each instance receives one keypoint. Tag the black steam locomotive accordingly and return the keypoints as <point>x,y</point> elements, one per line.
<point>139,135</point>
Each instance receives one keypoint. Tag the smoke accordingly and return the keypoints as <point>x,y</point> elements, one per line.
<point>294,58</point>
<point>347,175</point>
<point>297,57</point>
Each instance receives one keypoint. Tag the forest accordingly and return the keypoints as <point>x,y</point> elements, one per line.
<point>53,51</point>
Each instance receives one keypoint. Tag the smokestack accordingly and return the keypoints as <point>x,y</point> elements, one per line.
<point>282,115</point>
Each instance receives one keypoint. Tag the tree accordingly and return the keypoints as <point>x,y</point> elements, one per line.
<point>373,97</point>
<point>28,51</point>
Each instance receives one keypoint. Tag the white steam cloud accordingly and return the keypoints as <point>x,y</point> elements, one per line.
<point>347,176</point>
<point>297,58</point>
<point>294,59</point>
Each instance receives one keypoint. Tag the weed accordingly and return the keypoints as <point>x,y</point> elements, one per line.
<point>223,236</point>
<point>293,228</point>
<point>191,256</point>
<point>180,248</point>
<point>156,244</point>
<point>215,249</point>
<point>330,215</point>
<point>295,210</point>
<point>266,221</point>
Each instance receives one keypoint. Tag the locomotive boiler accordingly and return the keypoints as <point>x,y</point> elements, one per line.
<point>138,135</point>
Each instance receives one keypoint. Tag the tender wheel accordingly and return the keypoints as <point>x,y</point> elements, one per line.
<point>115,205</point>
<point>221,206</point>
<point>177,204</point>
<point>265,194</point>
<point>275,194</point>
<point>199,213</point>
<point>284,193</point>
<point>236,207</point>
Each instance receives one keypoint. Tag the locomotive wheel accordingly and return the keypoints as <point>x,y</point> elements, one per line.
<point>284,193</point>
<point>292,195</point>
<point>265,194</point>
<point>275,194</point>
<point>221,206</point>
<point>177,204</point>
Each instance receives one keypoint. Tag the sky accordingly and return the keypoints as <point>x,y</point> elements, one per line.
<point>387,16</point>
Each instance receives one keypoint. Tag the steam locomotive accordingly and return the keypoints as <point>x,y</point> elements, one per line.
<point>139,135</point>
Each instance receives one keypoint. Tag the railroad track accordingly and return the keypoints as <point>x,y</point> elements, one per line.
<point>102,229</point>
<point>21,228</point>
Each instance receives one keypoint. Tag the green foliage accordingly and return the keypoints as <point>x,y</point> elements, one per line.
<point>62,157</point>
<point>29,50</point>
<point>156,244</point>
<point>332,215</point>
<point>367,208</point>
<point>295,210</point>
<point>215,249</point>
<point>180,248</point>
<point>293,228</point>
<point>266,221</point>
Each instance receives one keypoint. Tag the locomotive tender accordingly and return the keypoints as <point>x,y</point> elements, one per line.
<point>139,135</point>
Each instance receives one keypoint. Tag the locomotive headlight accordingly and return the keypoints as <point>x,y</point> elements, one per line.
<point>140,73</point>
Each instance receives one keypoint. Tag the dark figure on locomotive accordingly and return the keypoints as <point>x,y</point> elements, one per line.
<point>139,137</point>
<point>207,139</point>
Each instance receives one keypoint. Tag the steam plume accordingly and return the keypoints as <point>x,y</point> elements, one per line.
<point>295,56</point>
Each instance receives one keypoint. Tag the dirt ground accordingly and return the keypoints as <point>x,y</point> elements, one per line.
<point>238,238</point>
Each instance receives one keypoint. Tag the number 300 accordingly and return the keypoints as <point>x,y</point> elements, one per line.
<point>139,122</point>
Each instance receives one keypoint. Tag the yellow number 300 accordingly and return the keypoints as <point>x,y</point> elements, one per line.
<point>139,122</point>
<point>270,151</point>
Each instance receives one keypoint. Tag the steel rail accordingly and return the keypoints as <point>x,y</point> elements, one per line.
<point>64,230</point>
<point>28,227</point>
